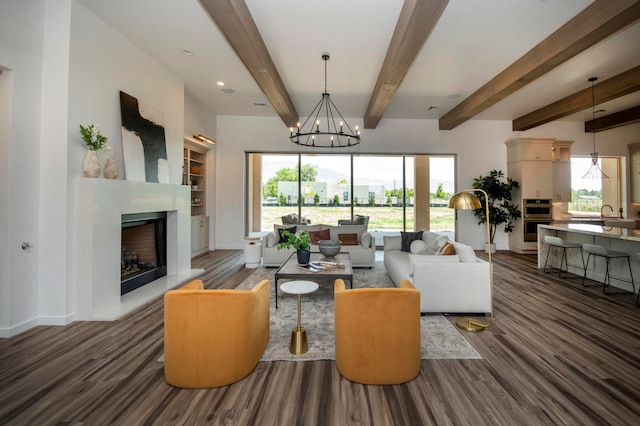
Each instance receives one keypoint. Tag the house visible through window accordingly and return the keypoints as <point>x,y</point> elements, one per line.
<point>395,192</point>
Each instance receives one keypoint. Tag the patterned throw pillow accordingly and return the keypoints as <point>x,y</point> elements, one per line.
<point>447,250</point>
<point>291,229</point>
<point>319,236</point>
<point>408,238</point>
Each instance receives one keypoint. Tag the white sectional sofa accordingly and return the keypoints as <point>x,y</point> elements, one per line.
<point>361,254</point>
<point>457,283</point>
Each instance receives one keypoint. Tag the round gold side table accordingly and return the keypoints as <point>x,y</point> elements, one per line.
<point>298,344</point>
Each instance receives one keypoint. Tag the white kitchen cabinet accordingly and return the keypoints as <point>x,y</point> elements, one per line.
<point>537,179</point>
<point>529,149</point>
<point>199,235</point>
<point>562,171</point>
<point>561,182</point>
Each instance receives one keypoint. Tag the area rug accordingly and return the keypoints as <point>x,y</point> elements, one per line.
<point>440,339</point>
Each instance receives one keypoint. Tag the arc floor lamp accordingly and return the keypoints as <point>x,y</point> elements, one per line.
<point>467,200</point>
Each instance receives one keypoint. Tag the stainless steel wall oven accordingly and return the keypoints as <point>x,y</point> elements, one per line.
<point>535,212</point>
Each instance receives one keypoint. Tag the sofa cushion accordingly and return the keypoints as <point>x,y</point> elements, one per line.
<point>415,259</point>
<point>392,242</point>
<point>319,236</point>
<point>447,250</point>
<point>348,239</point>
<point>434,241</point>
<point>420,247</point>
<point>408,238</point>
<point>465,252</point>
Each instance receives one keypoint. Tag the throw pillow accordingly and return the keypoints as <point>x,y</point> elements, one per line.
<point>319,236</point>
<point>392,242</point>
<point>365,240</point>
<point>467,254</point>
<point>348,239</point>
<point>291,229</point>
<point>347,229</point>
<point>447,250</point>
<point>408,238</point>
<point>417,247</point>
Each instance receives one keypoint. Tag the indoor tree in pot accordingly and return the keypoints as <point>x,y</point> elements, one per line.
<point>502,212</point>
<point>300,242</point>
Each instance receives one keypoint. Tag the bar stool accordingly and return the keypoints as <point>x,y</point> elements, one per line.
<point>560,243</point>
<point>596,250</point>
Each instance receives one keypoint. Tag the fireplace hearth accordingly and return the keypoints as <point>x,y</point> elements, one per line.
<point>143,249</point>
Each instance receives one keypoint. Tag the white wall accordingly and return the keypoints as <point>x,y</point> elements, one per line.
<point>471,141</point>
<point>21,51</point>
<point>199,120</point>
<point>478,144</point>
<point>50,97</point>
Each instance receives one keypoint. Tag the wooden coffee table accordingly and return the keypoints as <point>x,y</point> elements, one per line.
<point>292,271</point>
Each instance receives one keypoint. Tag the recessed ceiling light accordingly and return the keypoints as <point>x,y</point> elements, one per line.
<point>432,107</point>
<point>260,104</point>
<point>228,90</point>
<point>186,52</point>
<point>220,83</point>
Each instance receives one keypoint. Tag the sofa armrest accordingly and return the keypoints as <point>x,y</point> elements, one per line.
<point>462,287</point>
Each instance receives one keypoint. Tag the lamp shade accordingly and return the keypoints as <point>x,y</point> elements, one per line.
<point>464,201</point>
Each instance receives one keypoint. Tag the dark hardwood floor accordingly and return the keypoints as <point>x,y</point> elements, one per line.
<point>558,354</point>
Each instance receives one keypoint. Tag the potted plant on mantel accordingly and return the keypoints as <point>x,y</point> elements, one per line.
<point>501,211</point>
<point>300,242</point>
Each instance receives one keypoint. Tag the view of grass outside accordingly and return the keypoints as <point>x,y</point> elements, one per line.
<point>322,183</point>
<point>586,194</point>
<point>380,218</point>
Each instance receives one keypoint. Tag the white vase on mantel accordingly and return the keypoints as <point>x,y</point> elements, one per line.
<point>110,169</point>
<point>91,165</point>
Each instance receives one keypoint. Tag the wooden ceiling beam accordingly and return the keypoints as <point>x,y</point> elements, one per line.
<point>615,87</point>
<point>417,20</point>
<point>236,24</point>
<point>611,121</point>
<point>595,23</point>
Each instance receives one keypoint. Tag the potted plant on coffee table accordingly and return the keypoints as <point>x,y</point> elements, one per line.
<point>501,211</point>
<point>300,242</point>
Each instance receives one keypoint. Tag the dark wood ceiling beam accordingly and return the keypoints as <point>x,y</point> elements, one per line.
<point>236,24</point>
<point>595,23</point>
<point>612,88</point>
<point>417,20</point>
<point>611,121</point>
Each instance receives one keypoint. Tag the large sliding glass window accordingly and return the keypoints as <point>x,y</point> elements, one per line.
<point>392,192</point>
<point>327,193</point>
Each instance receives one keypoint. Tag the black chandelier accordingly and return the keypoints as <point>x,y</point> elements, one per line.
<point>325,133</point>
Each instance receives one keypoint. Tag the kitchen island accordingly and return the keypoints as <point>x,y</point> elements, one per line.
<point>614,238</point>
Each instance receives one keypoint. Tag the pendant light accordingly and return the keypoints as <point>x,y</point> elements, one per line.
<point>322,131</point>
<point>594,172</point>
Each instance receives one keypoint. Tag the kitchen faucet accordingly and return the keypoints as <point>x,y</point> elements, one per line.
<point>602,208</point>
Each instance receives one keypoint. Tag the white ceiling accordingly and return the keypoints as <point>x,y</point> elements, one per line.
<point>473,41</point>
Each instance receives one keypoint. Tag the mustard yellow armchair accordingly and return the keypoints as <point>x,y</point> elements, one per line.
<point>213,338</point>
<point>377,333</point>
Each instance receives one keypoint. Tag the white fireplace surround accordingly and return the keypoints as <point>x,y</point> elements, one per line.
<point>99,206</point>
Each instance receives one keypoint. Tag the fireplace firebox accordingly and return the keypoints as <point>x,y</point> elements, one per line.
<point>143,249</point>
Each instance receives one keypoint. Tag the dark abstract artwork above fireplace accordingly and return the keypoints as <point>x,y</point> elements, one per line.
<point>143,249</point>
